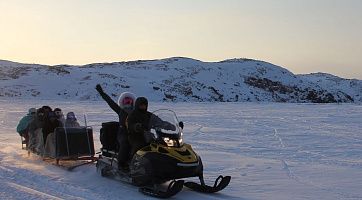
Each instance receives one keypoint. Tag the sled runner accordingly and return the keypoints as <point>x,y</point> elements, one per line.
<point>159,168</point>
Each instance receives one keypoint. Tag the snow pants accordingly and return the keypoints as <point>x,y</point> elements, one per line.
<point>124,148</point>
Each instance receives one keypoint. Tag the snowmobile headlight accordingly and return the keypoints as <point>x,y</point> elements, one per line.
<point>169,142</point>
<point>180,141</point>
<point>172,143</point>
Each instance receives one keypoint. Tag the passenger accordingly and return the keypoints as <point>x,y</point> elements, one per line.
<point>35,129</point>
<point>38,121</point>
<point>47,109</point>
<point>50,125</point>
<point>138,122</point>
<point>123,108</point>
<point>59,114</point>
<point>71,120</point>
<point>23,126</point>
<point>49,146</point>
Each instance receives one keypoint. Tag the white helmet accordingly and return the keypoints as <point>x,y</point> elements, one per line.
<point>126,100</point>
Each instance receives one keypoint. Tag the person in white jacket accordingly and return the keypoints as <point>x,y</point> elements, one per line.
<point>71,120</point>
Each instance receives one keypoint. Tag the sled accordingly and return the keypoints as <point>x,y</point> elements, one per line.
<point>66,147</point>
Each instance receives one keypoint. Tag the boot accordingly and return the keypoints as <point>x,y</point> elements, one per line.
<point>123,167</point>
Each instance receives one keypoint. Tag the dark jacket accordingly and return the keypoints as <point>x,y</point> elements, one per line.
<point>122,114</point>
<point>122,133</point>
<point>50,124</point>
<point>24,123</point>
<point>38,121</point>
<point>36,124</point>
<point>138,123</point>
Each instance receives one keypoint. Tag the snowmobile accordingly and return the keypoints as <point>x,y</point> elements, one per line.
<point>157,169</point>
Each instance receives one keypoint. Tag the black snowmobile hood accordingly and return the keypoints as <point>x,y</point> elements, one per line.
<point>141,101</point>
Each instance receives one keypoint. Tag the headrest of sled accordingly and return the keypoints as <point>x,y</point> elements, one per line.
<point>73,130</point>
<point>110,124</point>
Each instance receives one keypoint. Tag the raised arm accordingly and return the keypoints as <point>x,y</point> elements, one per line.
<point>108,99</point>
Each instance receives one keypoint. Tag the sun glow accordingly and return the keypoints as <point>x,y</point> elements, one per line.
<point>304,36</point>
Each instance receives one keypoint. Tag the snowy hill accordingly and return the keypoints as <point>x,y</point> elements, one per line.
<point>176,79</point>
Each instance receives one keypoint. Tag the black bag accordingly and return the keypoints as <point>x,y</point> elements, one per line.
<point>108,136</point>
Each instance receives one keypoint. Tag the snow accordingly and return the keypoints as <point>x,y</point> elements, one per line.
<point>271,150</point>
<point>173,79</point>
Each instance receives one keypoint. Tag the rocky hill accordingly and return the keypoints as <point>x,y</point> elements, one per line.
<point>176,79</point>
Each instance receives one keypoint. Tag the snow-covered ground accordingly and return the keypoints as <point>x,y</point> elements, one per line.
<point>272,151</point>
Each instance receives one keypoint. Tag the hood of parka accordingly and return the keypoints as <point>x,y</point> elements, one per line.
<point>141,101</point>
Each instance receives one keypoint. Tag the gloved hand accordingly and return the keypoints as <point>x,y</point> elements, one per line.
<point>138,127</point>
<point>99,88</point>
<point>181,124</point>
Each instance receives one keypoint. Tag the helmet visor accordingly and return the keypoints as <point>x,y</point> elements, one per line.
<point>127,101</point>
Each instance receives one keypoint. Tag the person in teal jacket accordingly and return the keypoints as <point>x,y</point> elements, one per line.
<point>23,125</point>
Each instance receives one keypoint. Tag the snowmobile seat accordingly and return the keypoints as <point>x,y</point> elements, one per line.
<point>73,142</point>
<point>108,138</point>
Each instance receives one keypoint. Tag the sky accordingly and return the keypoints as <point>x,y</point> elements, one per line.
<point>303,36</point>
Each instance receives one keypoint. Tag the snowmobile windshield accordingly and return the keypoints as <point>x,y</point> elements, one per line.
<point>165,127</point>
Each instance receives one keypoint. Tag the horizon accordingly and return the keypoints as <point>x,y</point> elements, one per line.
<point>304,37</point>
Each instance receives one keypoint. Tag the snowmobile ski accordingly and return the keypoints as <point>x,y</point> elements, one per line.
<point>220,183</point>
<point>173,188</point>
<point>155,190</point>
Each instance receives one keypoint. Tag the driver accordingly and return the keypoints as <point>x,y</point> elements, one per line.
<point>138,121</point>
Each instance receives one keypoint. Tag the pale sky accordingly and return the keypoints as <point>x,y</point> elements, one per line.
<point>303,36</point>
